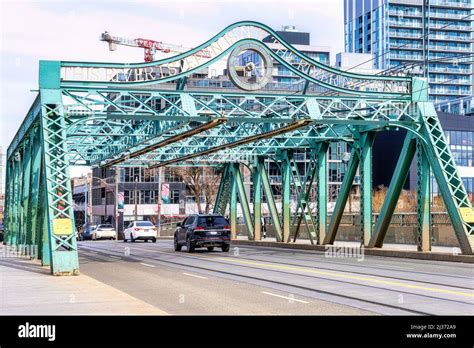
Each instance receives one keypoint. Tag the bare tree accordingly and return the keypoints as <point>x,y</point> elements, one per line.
<point>200,182</point>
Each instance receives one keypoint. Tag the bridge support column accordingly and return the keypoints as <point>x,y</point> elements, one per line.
<point>270,201</point>
<point>423,194</point>
<point>244,203</point>
<point>257,198</point>
<point>26,194</point>
<point>16,225</point>
<point>366,144</point>
<point>286,201</point>
<point>342,198</point>
<point>8,203</point>
<point>322,190</point>
<point>35,192</point>
<point>233,207</point>
<point>44,247</point>
<point>59,209</point>
<point>224,191</point>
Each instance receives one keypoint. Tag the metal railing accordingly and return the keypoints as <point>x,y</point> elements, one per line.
<point>399,33</point>
<point>451,37</point>
<point>449,92</point>
<point>400,219</point>
<point>449,48</point>
<point>443,26</point>
<point>449,70</point>
<point>447,15</point>
<point>450,3</point>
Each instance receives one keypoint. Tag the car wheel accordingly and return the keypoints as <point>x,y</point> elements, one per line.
<point>210,248</point>
<point>131,238</point>
<point>177,246</point>
<point>154,240</point>
<point>189,246</point>
<point>225,248</point>
<point>145,240</point>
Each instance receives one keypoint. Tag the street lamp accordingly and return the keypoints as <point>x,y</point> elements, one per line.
<point>135,194</point>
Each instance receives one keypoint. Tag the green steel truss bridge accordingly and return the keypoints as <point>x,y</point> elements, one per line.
<point>149,114</point>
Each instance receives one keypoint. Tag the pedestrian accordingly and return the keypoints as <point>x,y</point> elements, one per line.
<point>264,228</point>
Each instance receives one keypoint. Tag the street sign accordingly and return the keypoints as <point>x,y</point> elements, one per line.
<point>467,214</point>
<point>62,227</point>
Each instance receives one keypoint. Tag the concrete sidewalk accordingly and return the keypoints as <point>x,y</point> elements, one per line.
<point>27,288</point>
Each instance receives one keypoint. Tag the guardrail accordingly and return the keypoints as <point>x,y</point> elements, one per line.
<point>402,220</point>
<point>405,219</point>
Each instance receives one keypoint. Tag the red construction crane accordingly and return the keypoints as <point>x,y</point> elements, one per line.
<point>150,46</point>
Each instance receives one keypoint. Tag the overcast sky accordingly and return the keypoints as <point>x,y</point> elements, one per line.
<point>70,30</point>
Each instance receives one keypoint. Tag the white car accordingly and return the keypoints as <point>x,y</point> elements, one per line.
<point>104,231</point>
<point>140,230</point>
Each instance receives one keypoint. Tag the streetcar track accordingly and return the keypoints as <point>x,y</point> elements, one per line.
<point>321,253</point>
<point>131,258</point>
<point>369,266</point>
<point>294,286</point>
<point>332,269</point>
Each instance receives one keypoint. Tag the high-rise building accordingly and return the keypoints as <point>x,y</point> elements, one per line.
<point>458,128</point>
<point>302,42</point>
<point>430,38</point>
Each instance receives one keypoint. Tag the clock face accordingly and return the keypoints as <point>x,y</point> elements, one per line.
<point>250,66</point>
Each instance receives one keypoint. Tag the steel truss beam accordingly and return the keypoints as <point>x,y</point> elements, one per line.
<point>173,108</point>
<point>341,201</point>
<point>251,139</point>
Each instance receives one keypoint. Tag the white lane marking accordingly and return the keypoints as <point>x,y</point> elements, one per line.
<point>146,264</point>
<point>115,257</point>
<point>94,252</point>
<point>285,297</point>
<point>394,267</point>
<point>193,275</point>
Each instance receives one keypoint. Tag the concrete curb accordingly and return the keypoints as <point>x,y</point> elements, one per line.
<point>373,252</point>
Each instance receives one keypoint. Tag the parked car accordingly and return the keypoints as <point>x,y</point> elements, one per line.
<point>104,231</point>
<point>198,231</point>
<point>140,230</point>
<point>1,232</point>
<point>87,232</point>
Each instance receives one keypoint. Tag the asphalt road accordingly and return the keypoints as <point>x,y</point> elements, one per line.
<point>260,280</point>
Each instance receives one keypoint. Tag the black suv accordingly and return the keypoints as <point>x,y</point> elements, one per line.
<point>200,231</point>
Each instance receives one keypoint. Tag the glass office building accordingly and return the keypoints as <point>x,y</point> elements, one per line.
<point>430,38</point>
